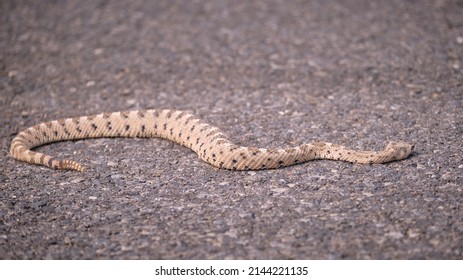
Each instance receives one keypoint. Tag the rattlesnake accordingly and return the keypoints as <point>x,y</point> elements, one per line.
<point>209,142</point>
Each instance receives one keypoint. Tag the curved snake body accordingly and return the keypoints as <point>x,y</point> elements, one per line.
<point>209,142</point>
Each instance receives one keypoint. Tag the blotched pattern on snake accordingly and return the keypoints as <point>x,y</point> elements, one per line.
<point>209,142</point>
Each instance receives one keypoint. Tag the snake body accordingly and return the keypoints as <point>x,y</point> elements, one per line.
<point>209,142</point>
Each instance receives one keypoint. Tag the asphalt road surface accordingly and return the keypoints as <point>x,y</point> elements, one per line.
<point>270,74</point>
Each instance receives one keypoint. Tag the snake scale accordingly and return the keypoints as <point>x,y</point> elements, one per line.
<point>209,142</point>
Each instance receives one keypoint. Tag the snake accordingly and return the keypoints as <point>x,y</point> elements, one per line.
<point>210,143</point>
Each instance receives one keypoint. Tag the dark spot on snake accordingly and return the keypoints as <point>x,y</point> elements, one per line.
<point>217,136</point>
<point>180,116</point>
<point>234,161</point>
<point>94,126</point>
<point>189,119</point>
<point>143,128</point>
<point>165,126</point>
<point>55,132</point>
<point>234,147</point>
<point>213,132</point>
<point>127,127</point>
<point>213,155</point>
<point>155,126</point>
<point>192,128</point>
<point>78,129</point>
<point>280,162</point>
<point>272,151</point>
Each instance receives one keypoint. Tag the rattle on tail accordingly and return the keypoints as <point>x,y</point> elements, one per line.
<point>209,142</point>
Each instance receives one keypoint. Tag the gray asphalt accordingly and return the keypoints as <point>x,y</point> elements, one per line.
<point>270,74</point>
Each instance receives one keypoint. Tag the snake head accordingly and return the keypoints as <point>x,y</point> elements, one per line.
<point>399,150</point>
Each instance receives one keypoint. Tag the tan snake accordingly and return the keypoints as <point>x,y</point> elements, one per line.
<point>209,142</point>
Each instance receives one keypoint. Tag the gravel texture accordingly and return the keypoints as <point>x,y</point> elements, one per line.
<point>270,74</point>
